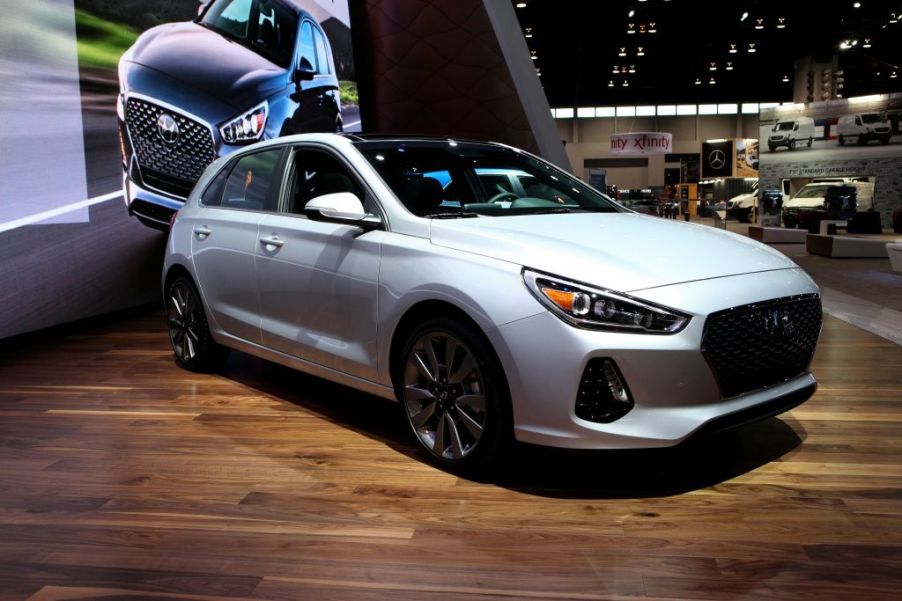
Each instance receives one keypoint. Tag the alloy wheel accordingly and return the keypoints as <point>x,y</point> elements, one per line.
<point>444,395</point>
<point>184,321</point>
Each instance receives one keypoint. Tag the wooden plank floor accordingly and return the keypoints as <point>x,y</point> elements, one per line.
<point>123,477</point>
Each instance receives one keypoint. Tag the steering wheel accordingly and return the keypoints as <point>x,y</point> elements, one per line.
<point>502,196</point>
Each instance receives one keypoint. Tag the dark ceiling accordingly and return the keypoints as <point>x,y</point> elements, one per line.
<point>577,42</point>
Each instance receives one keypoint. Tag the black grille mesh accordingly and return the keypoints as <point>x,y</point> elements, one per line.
<point>759,345</point>
<point>175,167</point>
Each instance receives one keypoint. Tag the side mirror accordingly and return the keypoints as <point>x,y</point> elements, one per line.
<point>304,72</point>
<point>341,207</point>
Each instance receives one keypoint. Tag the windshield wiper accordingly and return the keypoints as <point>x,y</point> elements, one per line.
<point>452,215</point>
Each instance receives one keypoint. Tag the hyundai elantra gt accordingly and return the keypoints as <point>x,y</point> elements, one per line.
<point>492,294</point>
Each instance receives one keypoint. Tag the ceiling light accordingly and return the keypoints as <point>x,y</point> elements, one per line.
<point>528,31</point>
<point>744,16</point>
<point>785,78</point>
<point>856,5</point>
<point>781,23</point>
<point>698,81</point>
<point>713,67</point>
<point>845,45</point>
<point>711,81</point>
<point>640,51</point>
<point>632,69</point>
<point>893,18</point>
<point>733,49</point>
<point>616,70</point>
<point>632,27</point>
<point>652,28</point>
<point>893,75</point>
<point>759,23</point>
<point>752,49</point>
<point>521,5</point>
<point>729,66</point>
<point>622,52</point>
<point>641,27</point>
<point>631,14</point>
<point>611,84</point>
<point>626,84</point>
<point>867,43</point>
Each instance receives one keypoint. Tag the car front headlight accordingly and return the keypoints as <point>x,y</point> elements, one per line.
<point>247,127</point>
<point>591,307</point>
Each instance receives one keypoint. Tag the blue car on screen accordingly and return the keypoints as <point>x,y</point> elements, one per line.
<point>243,71</point>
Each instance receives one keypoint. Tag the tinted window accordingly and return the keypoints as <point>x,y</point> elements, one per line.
<point>315,173</point>
<point>251,184</point>
<point>267,28</point>
<point>410,169</point>
<point>495,184</point>
<point>212,196</point>
<point>322,56</point>
<point>307,58</point>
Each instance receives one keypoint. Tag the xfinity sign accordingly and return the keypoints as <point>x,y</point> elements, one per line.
<point>641,143</point>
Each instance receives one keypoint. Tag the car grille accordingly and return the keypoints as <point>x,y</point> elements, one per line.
<point>169,167</point>
<point>759,345</point>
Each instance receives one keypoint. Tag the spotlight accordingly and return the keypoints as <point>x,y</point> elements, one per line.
<point>759,23</point>
<point>729,66</point>
<point>622,52</point>
<point>652,28</point>
<point>733,49</point>
<point>781,23</point>
<point>640,51</point>
<point>786,79</point>
<point>856,5</point>
<point>698,81</point>
<point>744,16</point>
<point>711,81</point>
<point>713,67</point>
<point>752,49</point>
<point>611,84</point>
<point>626,84</point>
<point>867,43</point>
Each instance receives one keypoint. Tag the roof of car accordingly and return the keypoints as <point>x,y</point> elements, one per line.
<point>436,140</point>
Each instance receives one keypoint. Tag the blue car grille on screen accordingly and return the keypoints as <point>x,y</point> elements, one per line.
<point>172,166</point>
<point>759,345</point>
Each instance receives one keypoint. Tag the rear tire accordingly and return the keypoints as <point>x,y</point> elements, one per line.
<point>189,332</point>
<point>453,394</point>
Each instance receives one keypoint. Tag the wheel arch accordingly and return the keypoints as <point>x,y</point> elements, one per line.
<point>426,309</point>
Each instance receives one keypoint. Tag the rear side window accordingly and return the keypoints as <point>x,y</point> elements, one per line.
<point>251,184</point>
<point>212,196</point>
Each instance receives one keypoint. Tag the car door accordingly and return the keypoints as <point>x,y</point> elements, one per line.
<point>318,281</point>
<point>224,239</point>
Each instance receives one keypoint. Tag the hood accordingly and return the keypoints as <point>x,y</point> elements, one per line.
<point>621,251</point>
<point>747,199</point>
<point>198,58</point>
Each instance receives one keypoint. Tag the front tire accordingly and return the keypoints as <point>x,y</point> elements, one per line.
<point>841,140</point>
<point>189,332</point>
<point>453,394</point>
<point>792,144</point>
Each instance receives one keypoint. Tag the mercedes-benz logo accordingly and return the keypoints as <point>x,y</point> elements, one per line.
<point>717,159</point>
<point>168,128</point>
<point>778,324</point>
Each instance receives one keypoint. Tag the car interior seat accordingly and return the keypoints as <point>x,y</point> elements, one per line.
<point>424,195</point>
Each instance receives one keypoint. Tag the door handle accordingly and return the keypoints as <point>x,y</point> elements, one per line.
<point>272,241</point>
<point>202,232</point>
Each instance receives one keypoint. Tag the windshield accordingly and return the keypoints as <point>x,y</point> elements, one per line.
<point>873,118</point>
<point>813,191</point>
<point>450,179</point>
<point>784,126</point>
<point>265,26</point>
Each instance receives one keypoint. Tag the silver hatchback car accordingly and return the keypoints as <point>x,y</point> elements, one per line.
<point>543,312</point>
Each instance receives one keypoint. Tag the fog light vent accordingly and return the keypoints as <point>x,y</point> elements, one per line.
<point>603,394</point>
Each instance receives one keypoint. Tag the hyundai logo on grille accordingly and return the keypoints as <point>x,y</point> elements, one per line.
<point>168,128</point>
<point>778,324</point>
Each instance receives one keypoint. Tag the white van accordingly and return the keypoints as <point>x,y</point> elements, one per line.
<point>791,132</point>
<point>813,196</point>
<point>744,207</point>
<point>863,128</point>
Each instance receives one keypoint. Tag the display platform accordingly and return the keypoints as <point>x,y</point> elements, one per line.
<point>777,235</point>
<point>850,247</point>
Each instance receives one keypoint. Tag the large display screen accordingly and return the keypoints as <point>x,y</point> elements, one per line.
<point>235,70</point>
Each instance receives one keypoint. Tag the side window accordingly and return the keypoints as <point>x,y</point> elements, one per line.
<point>322,56</point>
<point>251,183</point>
<point>212,196</point>
<point>315,173</point>
<point>537,189</point>
<point>307,54</point>
<point>234,17</point>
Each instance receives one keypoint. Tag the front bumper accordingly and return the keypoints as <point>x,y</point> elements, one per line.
<point>675,392</point>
